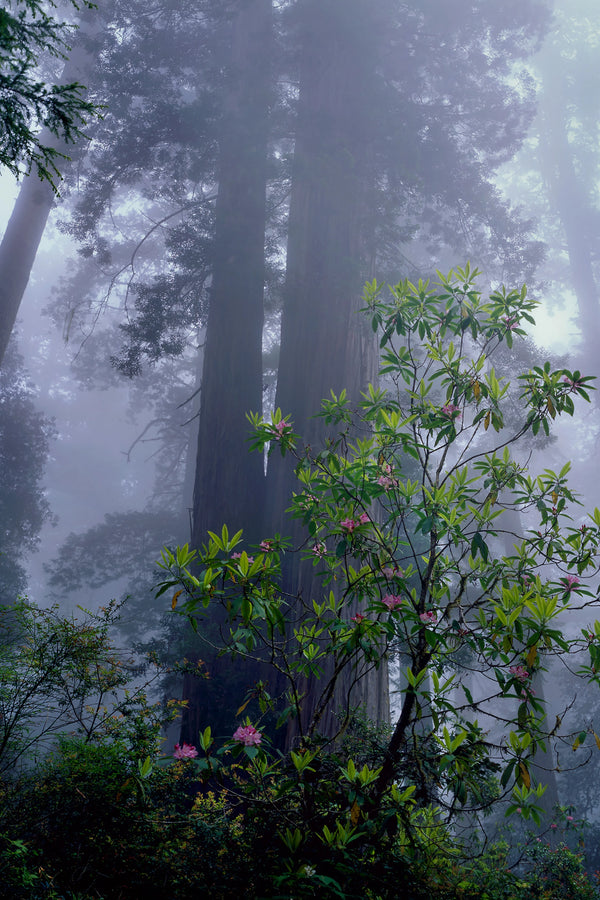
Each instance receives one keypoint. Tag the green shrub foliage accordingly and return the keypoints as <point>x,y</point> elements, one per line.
<point>437,550</point>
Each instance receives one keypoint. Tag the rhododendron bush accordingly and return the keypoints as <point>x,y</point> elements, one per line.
<point>439,551</point>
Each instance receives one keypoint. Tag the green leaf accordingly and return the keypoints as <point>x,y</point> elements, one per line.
<point>478,545</point>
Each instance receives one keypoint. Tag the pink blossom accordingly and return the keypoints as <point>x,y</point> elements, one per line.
<point>266,546</point>
<point>358,618</point>
<point>280,428</point>
<point>554,825</point>
<point>428,618</point>
<point>388,572</point>
<point>247,735</point>
<point>519,810</point>
<point>350,524</point>
<point>387,480</point>
<point>239,556</point>
<point>569,818</point>
<point>186,751</point>
<point>570,582</point>
<point>392,601</point>
<point>451,410</point>
<point>519,672</point>
<point>510,322</point>
<point>319,550</point>
<point>572,384</point>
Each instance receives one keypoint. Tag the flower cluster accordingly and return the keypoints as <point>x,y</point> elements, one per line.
<point>386,479</point>
<point>186,751</point>
<point>266,546</point>
<point>510,322</point>
<point>573,385</point>
<point>358,618</point>
<point>451,410</point>
<point>569,582</point>
<point>239,556</point>
<point>350,524</point>
<point>319,549</point>
<point>247,735</point>
<point>519,672</point>
<point>392,601</point>
<point>428,618</point>
<point>280,428</point>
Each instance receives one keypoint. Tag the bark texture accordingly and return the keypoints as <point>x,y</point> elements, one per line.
<point>324,345</point>
<point>229,482</point>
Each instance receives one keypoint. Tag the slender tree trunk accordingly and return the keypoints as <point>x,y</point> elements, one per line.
<point>229,482</point>
<point>323,346</point>
<point>36,198</point>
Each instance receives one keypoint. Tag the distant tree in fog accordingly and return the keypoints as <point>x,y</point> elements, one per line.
<point>24,442</point>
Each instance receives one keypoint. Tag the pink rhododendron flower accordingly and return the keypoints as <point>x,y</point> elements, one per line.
<point>387,571</point>
<point>572,384</point>
<point>319,550</point>
<point>570,582</point>
<point>358,618</point>
<point>428,618</point>
<point>280,428</point>
<point>510,322</point>
<point>392,601</point>
<point>554,825</point>
<point>387,480</point>
<point>239,556</point>
<point>519,672</point>
<point>266,546</point>
<point>350,524</point>
<point>247,735</point>
<point>186,751</point>
<point>451,410</point>
<point>569,818</point>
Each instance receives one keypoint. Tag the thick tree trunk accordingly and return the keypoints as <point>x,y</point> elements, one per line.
<point>27,223</point>
<point>229,483</point>
<point>323,344</point>
<point>570,201</point>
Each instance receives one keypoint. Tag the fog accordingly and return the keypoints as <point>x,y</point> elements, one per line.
<point>255,164</point>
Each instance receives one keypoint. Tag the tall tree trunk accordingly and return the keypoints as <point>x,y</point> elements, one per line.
<point>229,482</point>
<point>323,346</point>
<point>27,223</point>
<point>571,202</point>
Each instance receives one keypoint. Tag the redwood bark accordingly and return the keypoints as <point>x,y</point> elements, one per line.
<point>324,345</point>
<point>229,481</point>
